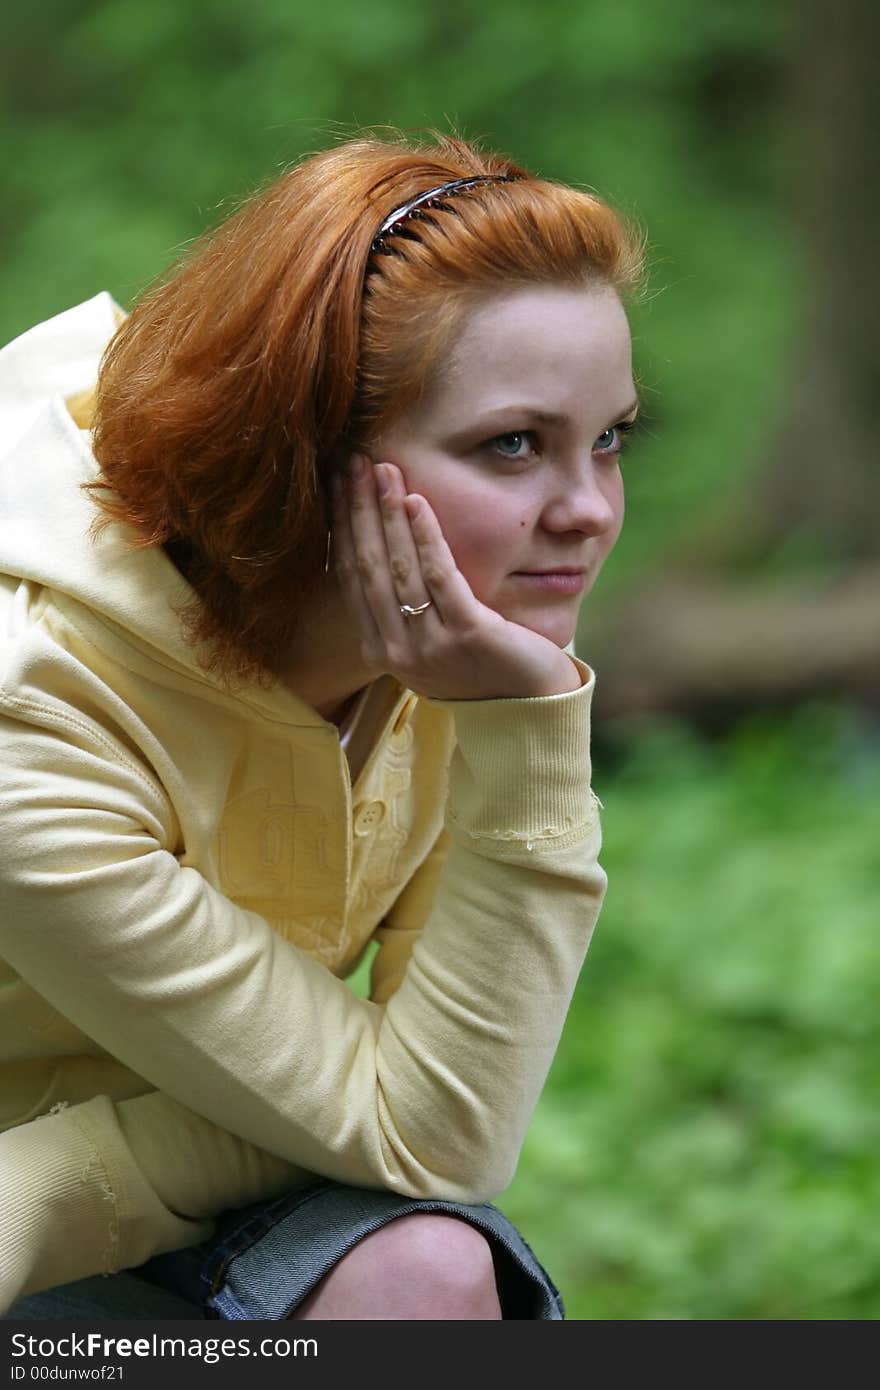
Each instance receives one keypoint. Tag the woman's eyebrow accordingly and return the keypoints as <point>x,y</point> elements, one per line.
<point>552,417</point>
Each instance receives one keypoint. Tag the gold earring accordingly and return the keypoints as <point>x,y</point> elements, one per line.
<point>327,555</point>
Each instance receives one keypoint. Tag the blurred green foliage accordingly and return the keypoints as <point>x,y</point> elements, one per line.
<point>707,1143</point>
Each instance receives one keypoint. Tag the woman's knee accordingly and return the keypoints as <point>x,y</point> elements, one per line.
<point>422,1265</point>
<point>443,1248</point>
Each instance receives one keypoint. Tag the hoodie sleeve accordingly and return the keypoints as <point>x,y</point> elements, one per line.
<point>103,1186</point>
<point>427,1094</point>
<point>404,924</point>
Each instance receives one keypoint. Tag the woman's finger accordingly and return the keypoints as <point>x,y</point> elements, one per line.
<point>403,557</point>
<point>446,585</point>
<point>373,564</point>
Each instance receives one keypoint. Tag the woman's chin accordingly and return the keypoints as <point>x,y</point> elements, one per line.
<point>558,628</point>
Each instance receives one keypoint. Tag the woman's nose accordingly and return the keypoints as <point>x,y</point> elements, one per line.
<point>581,504</point>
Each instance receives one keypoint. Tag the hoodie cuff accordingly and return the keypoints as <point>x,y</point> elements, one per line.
<point>70,1211</point>
<point>521,768</point>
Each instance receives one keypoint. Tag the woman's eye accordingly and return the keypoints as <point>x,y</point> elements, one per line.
<point>515,444</point>
<point>509,444</point>
<point>622,431</point>
<point>610,447</point>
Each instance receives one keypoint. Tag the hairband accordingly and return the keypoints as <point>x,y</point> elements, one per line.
<point>394,221</point>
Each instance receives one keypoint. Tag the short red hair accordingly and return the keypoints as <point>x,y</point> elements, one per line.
<point>281,343</point>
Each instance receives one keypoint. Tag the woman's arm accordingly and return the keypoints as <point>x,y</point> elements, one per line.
<point>96,1187</point>
<point>403,925</point>
<point>429,1095</point>
<point>167,1161</point>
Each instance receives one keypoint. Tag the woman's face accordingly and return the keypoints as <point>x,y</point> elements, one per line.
<point>516,446</point>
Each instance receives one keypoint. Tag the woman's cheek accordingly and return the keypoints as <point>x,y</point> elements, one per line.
<point>471,559</point>
<point>473,543</point>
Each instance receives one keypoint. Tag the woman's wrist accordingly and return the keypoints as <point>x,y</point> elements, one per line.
<point>563,678</point>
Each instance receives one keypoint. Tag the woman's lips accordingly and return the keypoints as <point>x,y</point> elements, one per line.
<point>554,581</point>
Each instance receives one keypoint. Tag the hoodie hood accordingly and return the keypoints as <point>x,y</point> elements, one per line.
<point>45,516</point>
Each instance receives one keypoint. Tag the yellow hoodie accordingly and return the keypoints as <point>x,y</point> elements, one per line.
<point>188,874</point>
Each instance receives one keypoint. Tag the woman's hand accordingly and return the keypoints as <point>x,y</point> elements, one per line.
<point>390,551</point>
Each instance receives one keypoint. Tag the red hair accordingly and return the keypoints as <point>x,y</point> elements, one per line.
<point>281,342</point>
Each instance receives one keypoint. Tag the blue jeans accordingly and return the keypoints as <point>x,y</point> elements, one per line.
<point>263,1260</point>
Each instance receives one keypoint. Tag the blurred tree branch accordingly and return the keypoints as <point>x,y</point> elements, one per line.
<point>708,638</point>
<point>821,475</point>
<point>708,649</point>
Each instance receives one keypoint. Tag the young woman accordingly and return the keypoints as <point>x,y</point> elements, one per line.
<point>287,606</point>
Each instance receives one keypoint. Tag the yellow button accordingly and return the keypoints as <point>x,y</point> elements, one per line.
<point>367,816</point>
